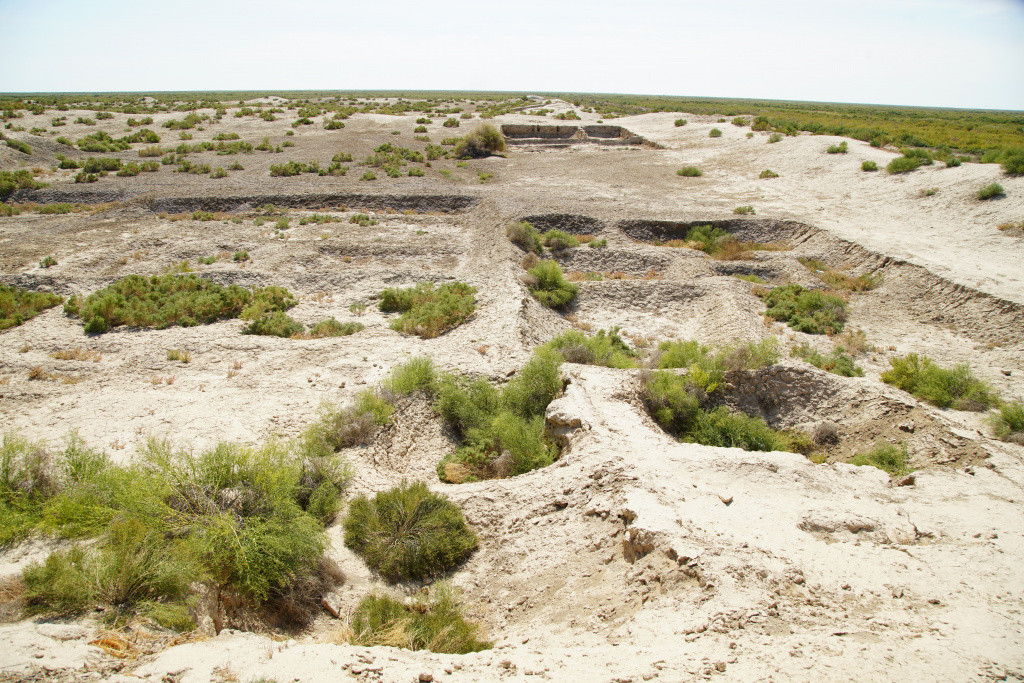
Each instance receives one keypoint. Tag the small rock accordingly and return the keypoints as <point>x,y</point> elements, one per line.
<point>426,678</point>
<point>332,604</point>
<point>907,426</point>
<point>725,498</point>
<point>1007,372</point>
<point>720,666</point>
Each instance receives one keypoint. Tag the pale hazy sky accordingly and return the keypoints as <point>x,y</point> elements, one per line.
<point>952,53</point>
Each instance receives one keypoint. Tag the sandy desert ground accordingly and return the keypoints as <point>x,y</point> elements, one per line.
<point>634,557</point>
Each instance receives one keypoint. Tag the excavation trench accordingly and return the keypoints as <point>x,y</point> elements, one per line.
<point>547,135</point>
<point>928,297</point>
<point>239,203</point>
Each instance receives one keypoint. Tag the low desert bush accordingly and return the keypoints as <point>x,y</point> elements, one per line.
<point>1008,423</point>
<point>837,362</point>
<point>768,173</point>
<point>408,532</point>
<point>679,122</point>
<point>886,457</point>
<point>451,123</point>
<point>956,388</point>
<point>19,305</point>
<point>428,311</point>
<point>550,287</point>
<point>163,301</point>
<point>690,172</point>
<point>607,349</point>
<point>48,262</point>
<point>275,324</point>
<point>368,175</point>
<point>744,210</point>
<point>775,137</point>
<point>805,310</point>
<point>334,328</point>
<point>434,623</point>
<point>557,240</point>
<point>19,146</point>
<point>238,521</point>
<point>501,432</point>
<point>525,236</point>
<point>684,404</point>
<point>482,141</point>
<point>597,244</point>
<point>989,191</point>
<point>218,172</point>
<point>715,133</point>
<point>416,172</point>
<point>21,179</point>
<point>869,166</point>
<point>839,280</point>
<point>903,165</point>
<point>841,148</point>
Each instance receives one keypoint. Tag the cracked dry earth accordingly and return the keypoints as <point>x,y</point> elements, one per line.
<point>634,557</point>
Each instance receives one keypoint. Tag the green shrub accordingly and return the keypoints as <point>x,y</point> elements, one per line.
<point>368,175</point>
<point>550,286</point>
<point>715,133</point>
<point>903,165</point>
<point>218,173</point>
<point>451,123</point>
<point>869,166</point>
<point>775,137</point>
<point>679,122</point>
<point>18,305</point>
<point>416,374</point>
<point>18,180</point>
<point>707,238</point>
<point>234,519</point>
<point>362,220</point>
<point>690,172</point>
<point>681,405</point>
<point>1008,423</point>
<point>428,311</point>
<point>604,348</point>
<point>502,432</point>
<point>436,624</point>
<point>482,141</point>
<point>837,362</point>
<point>525,236</point>
<point>98,164</point>
<point>419,129</point>
<point>768,173</point>
<point>744,210</point>
<point>408,532</point>
<point>416,172</point>
<point>956,388</point>
<point>886,457</point>
<point>953,162</point>
<point>804,310</point>
<point>276,324</point>
<point>333,328</point>
<point>990,191</point>
<point>1012,161</point>
<point>740,121</point>
<point>597,244</point>
<point>752,277</point>
<point>20,146</point>
<point>841,148</point>
<point>48,262</point>
<point>556,240</point>
<point>169,300</point>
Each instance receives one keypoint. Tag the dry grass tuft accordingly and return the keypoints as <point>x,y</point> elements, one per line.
<point>77,353</point>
